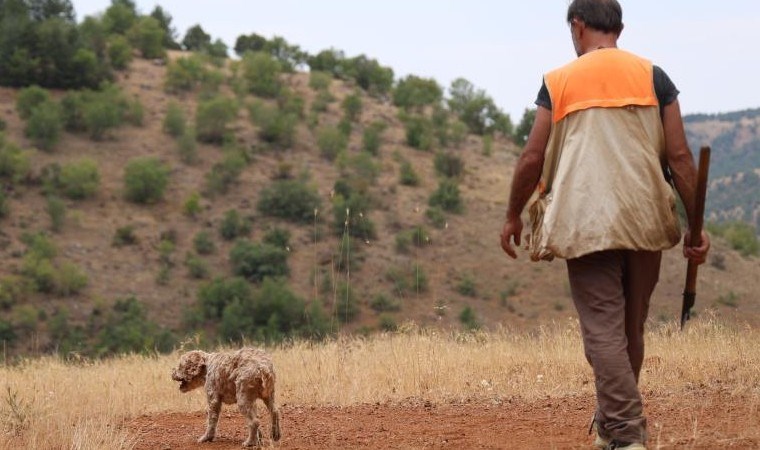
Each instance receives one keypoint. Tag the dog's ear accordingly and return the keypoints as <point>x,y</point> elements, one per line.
<point>196,363</point>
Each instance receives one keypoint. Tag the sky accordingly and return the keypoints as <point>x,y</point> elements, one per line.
<point>708,48</point>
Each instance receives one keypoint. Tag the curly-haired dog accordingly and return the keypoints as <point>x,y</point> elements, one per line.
<point>237,377</point>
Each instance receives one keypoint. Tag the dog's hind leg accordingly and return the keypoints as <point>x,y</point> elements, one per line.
<point>247,405</point>
<point>275,413</point>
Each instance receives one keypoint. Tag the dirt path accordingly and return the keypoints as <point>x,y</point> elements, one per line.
<point>701,421</point>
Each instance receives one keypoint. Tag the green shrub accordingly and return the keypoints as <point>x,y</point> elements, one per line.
<point>101,114</point>
<point>112,101</point>
<point>369,74</point>
<point>197,268</point>
<point>79,180</point>
<point>214,296</point>
<point>351,216</point>
<point>13,290</point>
<point>30,98</point>
<point>743,238</point>
<point>322,101</point>
<point>72,111</point>
<point>468,319</point>
<point>262,74</point>
<point>185,74</point>
<point>291,103</point>
<point>383,303</point>
<point>522,130</point>
<point>407,175</point>
<point>419,132</point>
<point>233,226</point>
<point>57,211</point>
<point>124,236</point>
<point>5,208</point>
<point>148,37</point>
<point>134,112</point>
<point>203,243</point>
<point>277,237</point>
<point>476,109</point>
<point>192,206</point>
<point>372,137</point>
<point>187,147</point>
<point>127,329</point>
<point>213,117</point>
<point>467,286</point>
<point>67,338</point>
<point>145,180</point>
<point>387,323</point>
<point>7,335</point>
<point>448,165</point>
<point>275,126</point>
<point>364,167</point>
<point>331,142</point>
<point>196,39</point>
<point>346,306</point>
<point>407,280</point>
<point>272,313</point>
<point>447,197</point>
<point>487,145</point>
<point>319,81</point>
<point>41,272</point>
<point>224,173</point>
<point>292,200</point>
<point>255,262</point>
<point>119,17</point>
<point>436,217</point>
<point>347,257</point>
<point>345,126</point>
<point>119,52</point>
<point>417,236</point>
<point>39,245</point>
<point>45,125</point>
<point>69,280</point>
<point>352,107</point>
<point>174,123</point>
<point>415,92</point>
<point>15,164</point>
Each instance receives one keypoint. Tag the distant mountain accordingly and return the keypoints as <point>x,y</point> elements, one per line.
<point>734,189</point>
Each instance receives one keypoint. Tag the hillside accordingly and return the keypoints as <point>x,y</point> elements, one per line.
<point>734,190</point>
<point>469,282</point>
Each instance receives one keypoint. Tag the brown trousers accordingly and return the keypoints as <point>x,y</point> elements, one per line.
<point>611,291</point>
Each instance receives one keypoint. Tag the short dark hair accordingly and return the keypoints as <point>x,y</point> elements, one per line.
<point>601,15</point>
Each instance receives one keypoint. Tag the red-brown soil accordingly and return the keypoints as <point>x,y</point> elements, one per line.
<point>699,420</point>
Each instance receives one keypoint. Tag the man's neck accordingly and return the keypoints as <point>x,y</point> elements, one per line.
<point>599,41</point>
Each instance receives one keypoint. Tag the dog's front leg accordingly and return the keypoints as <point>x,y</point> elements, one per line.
<point>214,406</point>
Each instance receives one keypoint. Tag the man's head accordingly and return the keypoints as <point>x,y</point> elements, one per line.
<point>602,18</point>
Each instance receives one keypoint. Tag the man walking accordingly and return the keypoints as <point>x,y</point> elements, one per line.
<point>606,144</point>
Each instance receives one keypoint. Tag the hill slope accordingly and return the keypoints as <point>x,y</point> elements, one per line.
<point>464,268</point>
<point>734,191</point>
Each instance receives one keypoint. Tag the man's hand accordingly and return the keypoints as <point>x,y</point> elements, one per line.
<point>696,254</point>
<point>511,231</point>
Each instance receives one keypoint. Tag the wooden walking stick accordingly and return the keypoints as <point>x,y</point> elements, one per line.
<point>690,290</point>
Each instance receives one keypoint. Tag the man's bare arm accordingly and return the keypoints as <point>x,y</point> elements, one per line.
<point>529,166</point>
<point>525,179</point>
<point>684,172</point>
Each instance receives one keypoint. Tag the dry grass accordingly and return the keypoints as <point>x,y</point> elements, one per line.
<point>50,404</point>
